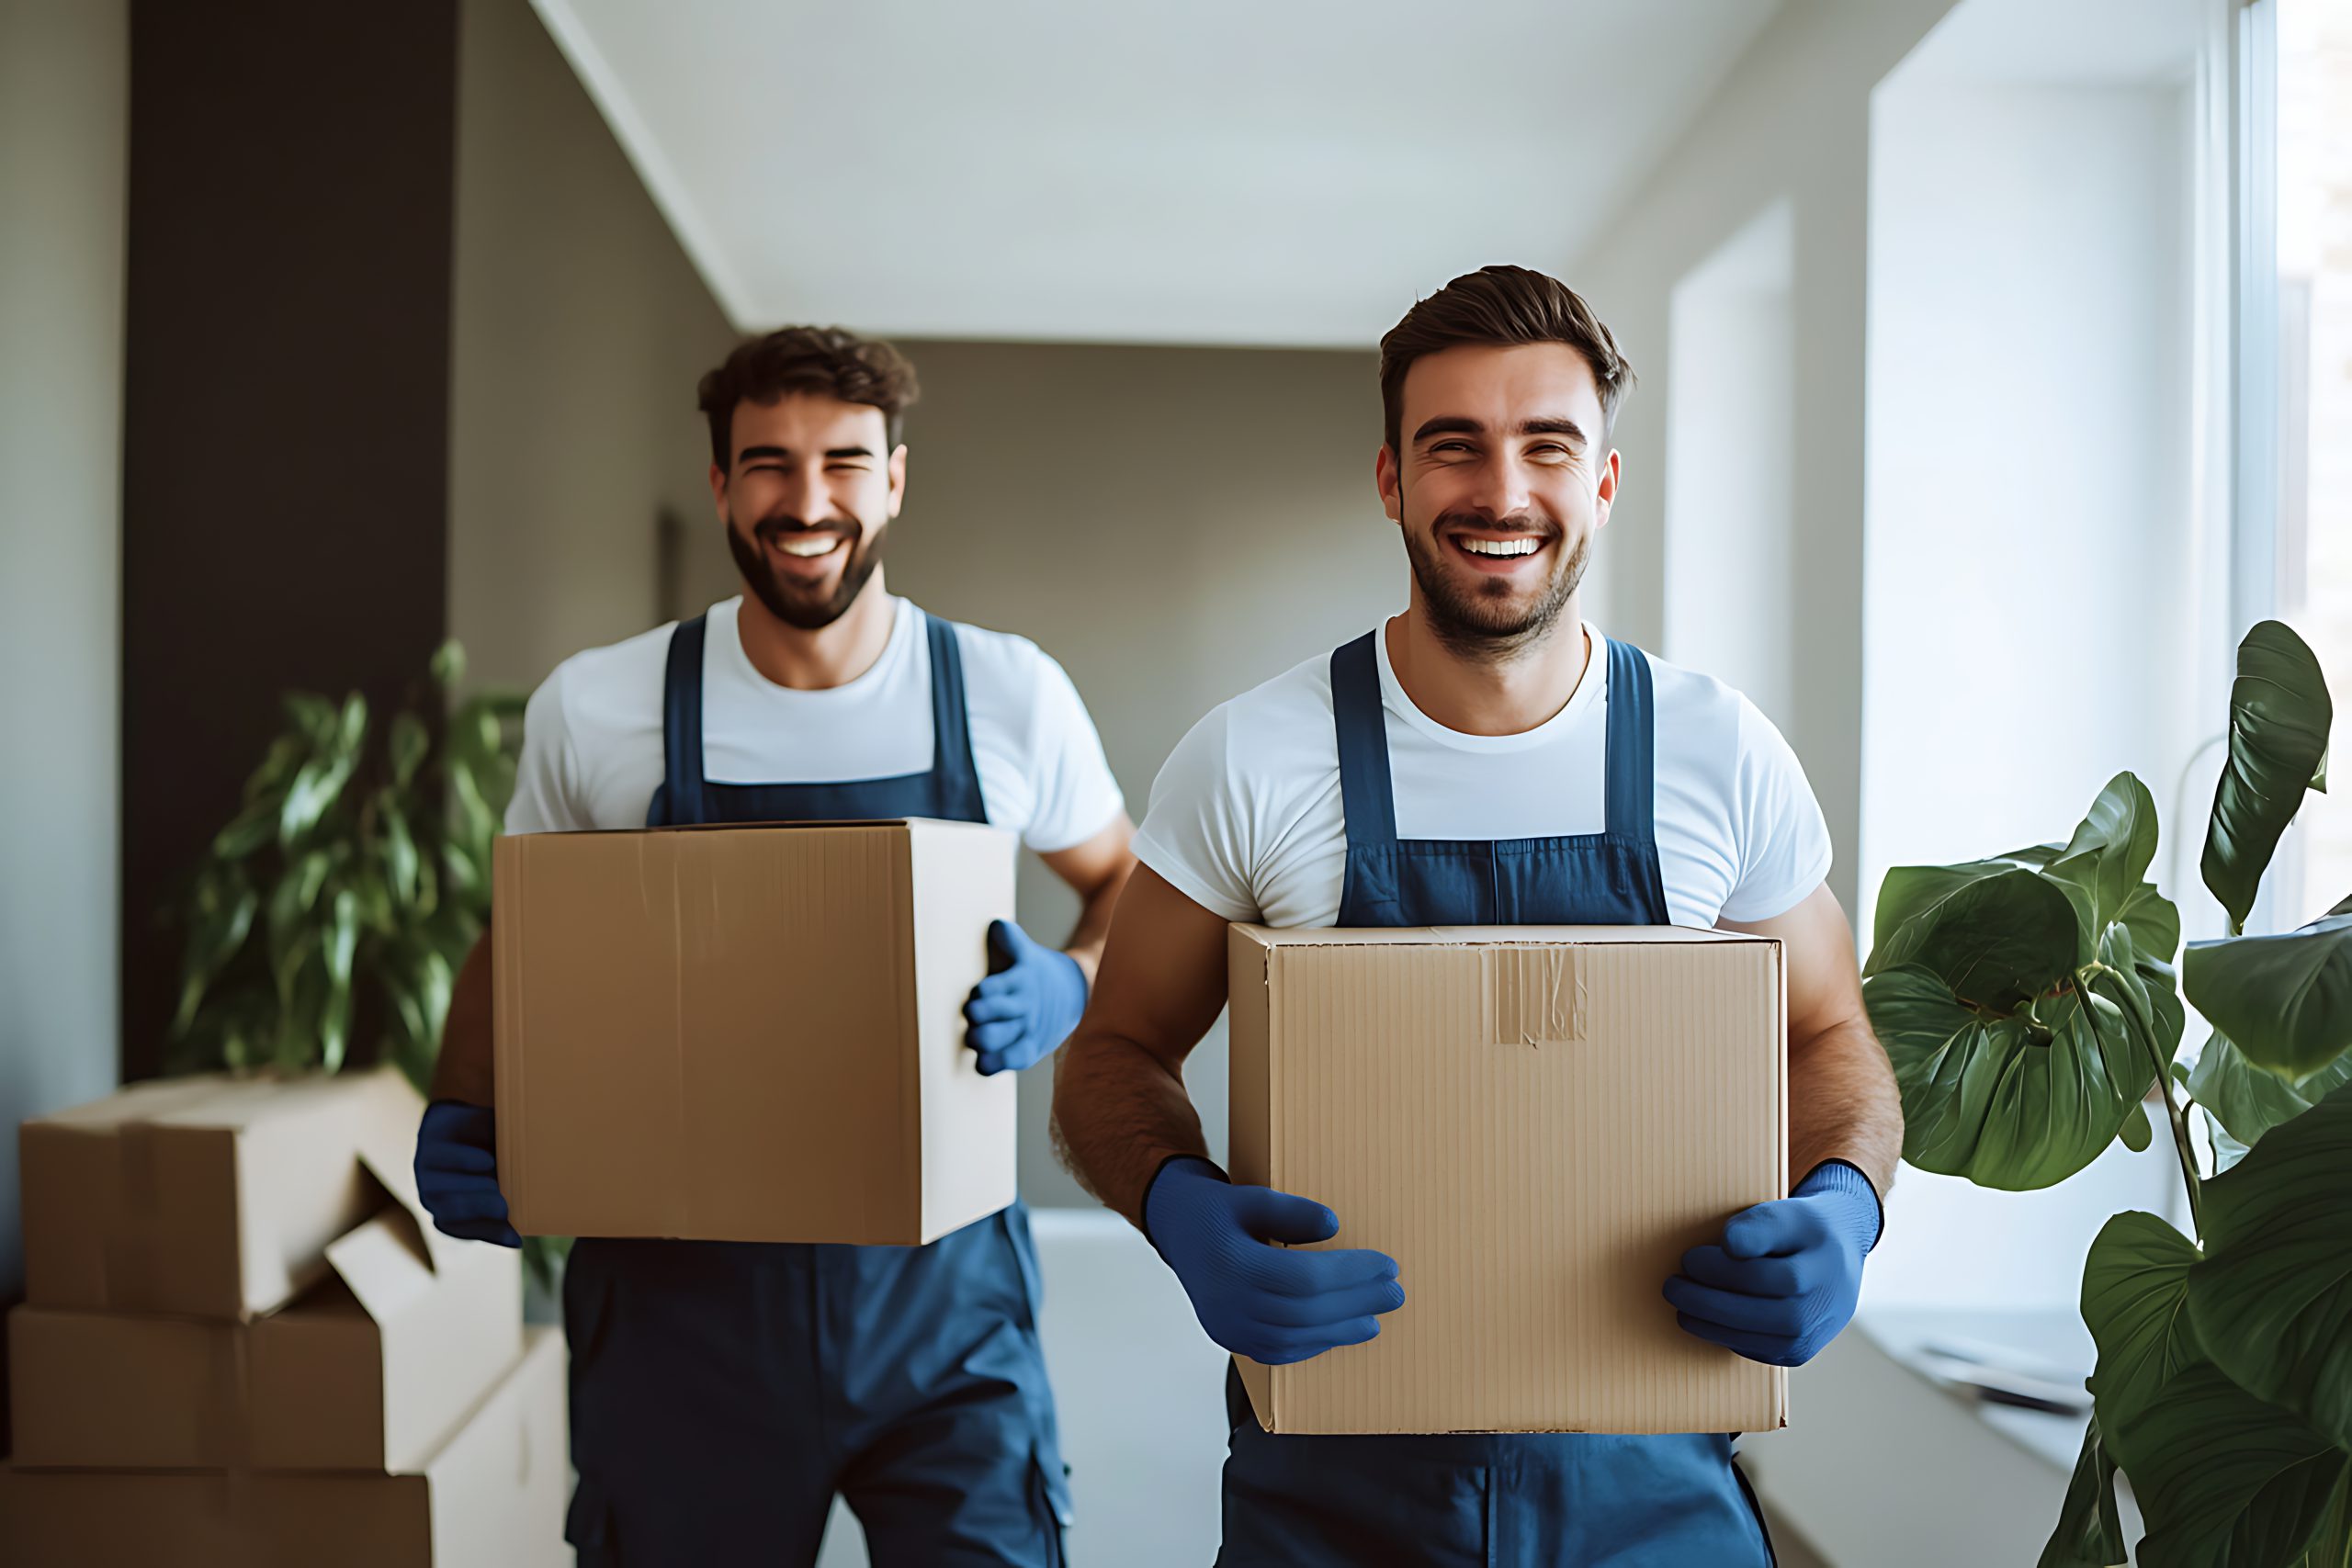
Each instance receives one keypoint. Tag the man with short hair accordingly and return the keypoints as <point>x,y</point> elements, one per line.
<point>723,1392</point>
<point>1487,758</point>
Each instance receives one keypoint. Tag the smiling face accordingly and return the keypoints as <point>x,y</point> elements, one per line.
<point>807,495</point>
<point>1503,477</point>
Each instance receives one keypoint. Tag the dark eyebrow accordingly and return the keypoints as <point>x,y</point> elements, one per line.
<point>1566,427</point>
<point>784,455</point>
<point>1456,424</point>
<point>1448,424</point>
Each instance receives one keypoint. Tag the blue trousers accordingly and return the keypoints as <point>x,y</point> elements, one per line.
<point>723,1392</point>
<point>1484,1500</point>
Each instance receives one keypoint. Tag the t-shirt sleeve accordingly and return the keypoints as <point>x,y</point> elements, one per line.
<point>548,797</point>
<point>1077,795</point>
<point>1784,839</point>
<point>1197,834</point>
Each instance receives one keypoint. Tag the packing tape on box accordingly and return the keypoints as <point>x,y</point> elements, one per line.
<point>1534,995</point>
<point>129,1259</point>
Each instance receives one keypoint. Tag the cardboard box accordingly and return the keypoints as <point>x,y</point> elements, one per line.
<point>371,1370</point>
<point>212,1196</point>
<point>749,1033</point>
<point>493,1497</point>
<point>1535,1123</point>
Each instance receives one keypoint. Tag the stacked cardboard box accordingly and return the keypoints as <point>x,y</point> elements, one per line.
<point>244,1342</point>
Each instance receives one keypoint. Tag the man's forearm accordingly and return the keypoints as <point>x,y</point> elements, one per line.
<point>464,1071</point>
<point>1843,1104</point>
<point>1119,1112</point>
<point>1093,928</point>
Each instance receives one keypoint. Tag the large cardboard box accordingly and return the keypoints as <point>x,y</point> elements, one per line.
<point>749,1033</point>
<point>1535,1123</point>
<point>492,1496</point>
<point>370,1369</point>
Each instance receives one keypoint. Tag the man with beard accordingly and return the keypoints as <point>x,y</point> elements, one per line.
<point>1487,758</point>
<point>723,1394</point>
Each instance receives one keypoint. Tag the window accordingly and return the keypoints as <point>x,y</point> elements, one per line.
<point>2313,525</point>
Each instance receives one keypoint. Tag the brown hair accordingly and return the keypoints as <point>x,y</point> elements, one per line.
<point>830,360</point>
<point>1503,306</point>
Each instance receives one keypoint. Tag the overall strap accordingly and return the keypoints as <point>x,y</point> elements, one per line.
<point>956,776</point>
<point>1632,747</point>
<point>681,801</point>
<point>1367,797</point>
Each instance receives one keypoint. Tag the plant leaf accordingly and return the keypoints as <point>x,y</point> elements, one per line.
<point>1918,903</point>
<point>2135,1287</point>
<point>2248,1101</point>
<point>448,664</point>
<point>411,744</point>
<point>2136,1133</point>
<point>2014,1100</point>
<point>219,919</point>
<point>2272,1301</point>
<point>2230,1482</point>
<point>2090,1530</point>
<point>2279,715</point>
<point>2285,1000</point>
<point>2102,865</point>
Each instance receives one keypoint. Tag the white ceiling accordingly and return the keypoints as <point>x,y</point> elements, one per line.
<point>1282,171</point>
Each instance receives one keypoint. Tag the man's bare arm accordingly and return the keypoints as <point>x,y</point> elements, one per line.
<point>1120,1108</point>
<point>1843,1104</point>
<point>1096,870</point>
<point>463,1071</point>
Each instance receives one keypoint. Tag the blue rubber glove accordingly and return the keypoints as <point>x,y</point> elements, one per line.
<point>457,1172</point>
<point>1266,1302</point>
<point>1785,1280</point>
<point>1027,1006</point>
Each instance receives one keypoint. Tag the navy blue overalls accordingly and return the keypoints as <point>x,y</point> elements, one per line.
<point>1503,1499</point>
<point>722,1392</point>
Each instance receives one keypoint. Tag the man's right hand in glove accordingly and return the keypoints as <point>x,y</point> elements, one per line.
<point>1265,1302</point>
<point>457,1172</point>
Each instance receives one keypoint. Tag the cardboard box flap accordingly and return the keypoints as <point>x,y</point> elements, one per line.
<point>388,1260</point>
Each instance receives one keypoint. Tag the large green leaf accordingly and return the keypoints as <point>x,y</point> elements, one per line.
<point>2286,1000</point>
<point>2248,1101</point>
<point>2015,1100</point>
<point>2135,1301</point>
<point>2280,715</point>
<point>2090,1530</point>
<point>1957,919</point>
<point>2272,1301</point>
<point>2228,1481</point>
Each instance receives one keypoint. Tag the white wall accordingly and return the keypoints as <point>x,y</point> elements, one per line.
<point>1730,579</point>
<point>64,92</point>
<point>1791,126</point>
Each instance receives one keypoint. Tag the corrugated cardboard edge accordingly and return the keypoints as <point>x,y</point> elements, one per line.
<point>909,1027</point>
<point>1249,962</point>
<point>507,873</point>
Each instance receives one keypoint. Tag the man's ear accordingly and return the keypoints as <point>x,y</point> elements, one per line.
<point>719,490</point>
<point>898,477</point>
<point>1389,481</point>
<point>1604,495</point>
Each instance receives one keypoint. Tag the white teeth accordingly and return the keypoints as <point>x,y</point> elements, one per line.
<point>1501,547</point>
<point>809,545</point>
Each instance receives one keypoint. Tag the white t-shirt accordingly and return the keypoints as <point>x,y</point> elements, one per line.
<point>1246,817</point>
<point>592,735</point>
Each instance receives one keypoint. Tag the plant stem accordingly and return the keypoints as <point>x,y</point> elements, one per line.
<point>2179,1120</point>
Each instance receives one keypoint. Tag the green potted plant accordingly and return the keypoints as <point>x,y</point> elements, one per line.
<point>2028,1005</point>
<point>347,890</point>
